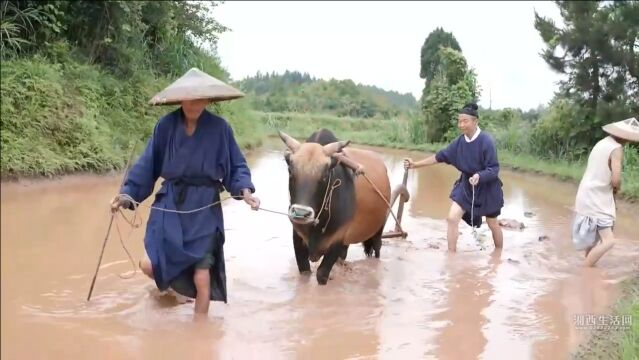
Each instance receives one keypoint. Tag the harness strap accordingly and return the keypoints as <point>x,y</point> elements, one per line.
<point>343,159</point>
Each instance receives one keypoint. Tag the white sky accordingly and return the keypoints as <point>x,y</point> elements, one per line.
<point>379,43</point>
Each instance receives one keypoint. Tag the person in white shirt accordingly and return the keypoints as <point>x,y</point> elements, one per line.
<point>595,208</point>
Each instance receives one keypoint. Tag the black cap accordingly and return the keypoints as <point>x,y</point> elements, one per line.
<point>470,109</point>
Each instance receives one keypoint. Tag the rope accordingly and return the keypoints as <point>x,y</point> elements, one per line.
<point>472,214</point>
<point>137,204</point>
<point>326,196</point>
<point>132,222</point>
<point>387,202</point>
<point>326,204</point>
<point>472,219</point>
<point>135,268</point>
<point>335,185</point>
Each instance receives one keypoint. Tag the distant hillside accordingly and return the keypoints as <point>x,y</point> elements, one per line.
<point>300,92</point>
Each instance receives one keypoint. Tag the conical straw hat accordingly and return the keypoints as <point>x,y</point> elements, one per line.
<point>625,129</point>
<point>193,85</point>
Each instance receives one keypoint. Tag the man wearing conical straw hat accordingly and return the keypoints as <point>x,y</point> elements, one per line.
<point>595,208</point>
<point>196,153</point>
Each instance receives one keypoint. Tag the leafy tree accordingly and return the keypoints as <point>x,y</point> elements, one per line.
<point>453,86</point>
<point>597,50</point>
<point>299,92</point>
<point>430,58</point>
<point>123,36</point>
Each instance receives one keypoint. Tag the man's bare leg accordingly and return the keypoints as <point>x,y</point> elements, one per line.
<point>202,280</point>
<point>607,242</point>
<point>590,248</point>
<point>495,229</point>
<point>146,267</point>
<point>454,216</point>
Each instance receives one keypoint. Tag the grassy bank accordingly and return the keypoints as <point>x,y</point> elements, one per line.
<point>616,343</point>
<point>65,116</point>
<point>394,134</point>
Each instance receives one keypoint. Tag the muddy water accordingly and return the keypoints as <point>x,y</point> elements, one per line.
<point>417,301</point>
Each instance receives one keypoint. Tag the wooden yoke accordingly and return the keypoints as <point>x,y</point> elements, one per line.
<point>342,158</point>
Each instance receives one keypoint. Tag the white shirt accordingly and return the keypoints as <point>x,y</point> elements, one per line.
<point>475,135</point>
<point>594,196</point>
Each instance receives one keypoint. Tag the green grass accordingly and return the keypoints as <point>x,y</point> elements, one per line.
<point>61,118</point>
<point>65,117</point>
<point>397,134</point>
<point>620,344</point>
<point>630,339</point>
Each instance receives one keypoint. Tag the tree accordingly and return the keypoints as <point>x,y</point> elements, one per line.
<point>430,59</point>
<point>597,50</point>
<point>302,92</point>
<point>123,36</point>
<point>453,86</point>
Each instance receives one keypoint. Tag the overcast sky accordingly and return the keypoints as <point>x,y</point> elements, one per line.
<point>379,43</point>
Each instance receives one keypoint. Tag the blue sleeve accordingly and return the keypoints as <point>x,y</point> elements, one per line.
<point>491,164</point>
<point>142,176</point>
<point>238,176</point>
<point>448,155</point>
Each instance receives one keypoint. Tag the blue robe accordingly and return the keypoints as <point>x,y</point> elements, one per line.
<point>476,157</point>
<point>194,169</point>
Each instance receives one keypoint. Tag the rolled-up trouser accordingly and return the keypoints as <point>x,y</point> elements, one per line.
<point>184,283</point>
<point>208,260</point>
<point>585,230</point>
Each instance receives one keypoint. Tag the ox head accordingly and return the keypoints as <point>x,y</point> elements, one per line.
<point>309,166</point>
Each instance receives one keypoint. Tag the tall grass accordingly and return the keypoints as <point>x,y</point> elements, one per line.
<point>516,150</point>
<point>629,342</point>
<point>14,23</point>
<point>67,117</point>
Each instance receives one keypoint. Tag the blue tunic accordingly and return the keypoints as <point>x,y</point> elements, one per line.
<point>193,168</point>
<point>476,157</point>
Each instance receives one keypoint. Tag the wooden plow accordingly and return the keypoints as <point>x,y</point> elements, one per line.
<point>398,231</point>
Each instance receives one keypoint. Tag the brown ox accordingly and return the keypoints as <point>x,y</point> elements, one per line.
<point>331,206</point>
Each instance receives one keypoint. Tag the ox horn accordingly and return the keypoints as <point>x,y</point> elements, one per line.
<point>335,147</point>
<point>291,143</point>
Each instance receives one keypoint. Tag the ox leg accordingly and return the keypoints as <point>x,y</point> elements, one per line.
<point>377,242</point>
<point>328,261</point>
<point>344,253</point>
<point>374,244</point>
<point>301,254</point>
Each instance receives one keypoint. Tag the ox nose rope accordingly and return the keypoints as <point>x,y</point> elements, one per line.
<point>137,204</point>
<point>326,203</point>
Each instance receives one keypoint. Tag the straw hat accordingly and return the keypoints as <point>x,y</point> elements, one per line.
<point>193,85</point>
<point>625,129</point>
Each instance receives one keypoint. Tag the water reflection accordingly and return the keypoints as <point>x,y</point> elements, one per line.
<point>469,291</point>
<point>416,301</point>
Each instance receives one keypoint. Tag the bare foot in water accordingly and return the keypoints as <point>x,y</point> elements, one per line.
<point>170,294</point>
<point>181,299</point>
<point>200,317</point>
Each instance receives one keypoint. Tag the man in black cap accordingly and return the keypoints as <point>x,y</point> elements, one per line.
<point>474,154</point>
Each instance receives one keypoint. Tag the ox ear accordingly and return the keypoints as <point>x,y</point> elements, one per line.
<point>335,147</point>
<point>287,156</point>
<point>291,143</point>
